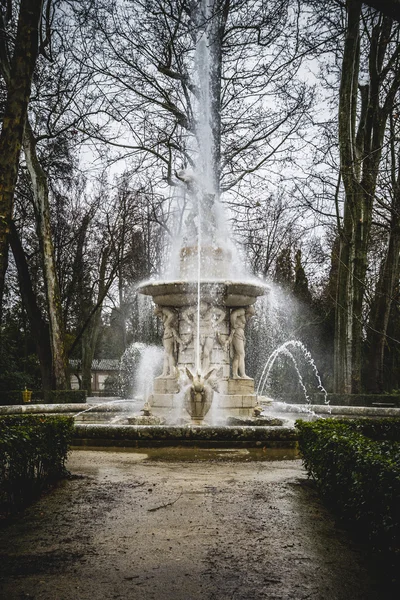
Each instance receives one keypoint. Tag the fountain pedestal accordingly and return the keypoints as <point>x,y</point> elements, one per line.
<point>225,307</point>
<point>235,397</point>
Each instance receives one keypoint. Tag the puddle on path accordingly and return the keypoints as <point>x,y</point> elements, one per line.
<point>179,454</point>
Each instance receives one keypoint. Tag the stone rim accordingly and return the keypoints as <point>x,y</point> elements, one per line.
<point>225,292</point>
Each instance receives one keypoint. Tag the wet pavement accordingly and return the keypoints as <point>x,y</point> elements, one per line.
<point>183,524</point>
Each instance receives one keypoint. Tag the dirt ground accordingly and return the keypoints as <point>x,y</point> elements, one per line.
<point>184,526</point>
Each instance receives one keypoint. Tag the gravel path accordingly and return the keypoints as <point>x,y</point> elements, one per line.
<point>194,525</point>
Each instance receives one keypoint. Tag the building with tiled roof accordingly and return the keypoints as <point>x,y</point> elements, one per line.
<point>101,369</point>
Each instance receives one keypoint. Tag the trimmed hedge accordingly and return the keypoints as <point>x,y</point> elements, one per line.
<point>65,397</point>
<point>10,398</point>
<point>358,474</point>
<point>376,429</point>
<point>33,450</point>
<point>14,397</point>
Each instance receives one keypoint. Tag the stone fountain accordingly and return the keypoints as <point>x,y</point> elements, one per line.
<point>204,336</point>
<point>204,310</point>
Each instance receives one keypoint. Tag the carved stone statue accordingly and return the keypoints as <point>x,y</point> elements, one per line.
<point>171,338</point>
<point>210,317</point>
<point>236,339</point>
<point>204,338</point>
<point>199,396</point>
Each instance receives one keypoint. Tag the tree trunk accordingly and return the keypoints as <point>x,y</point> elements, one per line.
<point>343,343</point>
<point>38,326</point>
<point>218,24</point>
<point>91,333</point>
<point>360,157</point>
<point>89,341</point>
<point>87,359</point>
<point>380,315</point>
<point>387,284</point>
<point>19,89</point>
<point>42,214</point>
<point>122,310</point>
<point>342,371</point>
<point>392,346</point>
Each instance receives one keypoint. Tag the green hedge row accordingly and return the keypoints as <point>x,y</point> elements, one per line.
<point>105,394</point>
<point>387,428</point>
<point>33,450</point>
<point>14,397</point>
<point>65,397</point>
<point>356,465</point>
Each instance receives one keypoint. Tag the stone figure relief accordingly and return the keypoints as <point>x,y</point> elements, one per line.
<point>171,339</point>
<point>236,340</point>
<point>210,318</point>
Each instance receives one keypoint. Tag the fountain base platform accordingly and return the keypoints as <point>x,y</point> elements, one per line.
<point>235,398</point>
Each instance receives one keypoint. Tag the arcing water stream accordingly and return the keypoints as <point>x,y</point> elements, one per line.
<point>286,350</point>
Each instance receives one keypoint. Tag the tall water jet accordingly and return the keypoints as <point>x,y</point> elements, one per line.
<point>205,311</point>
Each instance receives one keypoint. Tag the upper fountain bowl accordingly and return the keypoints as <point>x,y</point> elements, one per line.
<point>183,293</point>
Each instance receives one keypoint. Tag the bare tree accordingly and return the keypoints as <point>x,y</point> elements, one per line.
<point>265,227</point>
<point>19,89</point>
<point>363,113</point>
<point>141,55</point>
<point>53,113</point>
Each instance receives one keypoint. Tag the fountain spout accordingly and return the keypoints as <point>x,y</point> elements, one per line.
<point>199,396</point>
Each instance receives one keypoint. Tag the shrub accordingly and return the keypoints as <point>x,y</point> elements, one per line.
<point>128,367</point>
<point>33,450</point>
<point>111,386</point>
<point>358,475</point>
<point>10,398</point>
<point>14,397</point>
<point>17,371</point>
<point>377,429</point>
<point>65,397</point>
<point>14,381</point>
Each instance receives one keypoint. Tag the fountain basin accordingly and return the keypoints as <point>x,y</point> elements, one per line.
<point>209,436</point>
<point>198,436</point>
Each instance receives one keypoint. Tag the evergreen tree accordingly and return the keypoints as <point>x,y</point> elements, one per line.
<point>300,287</point>
<point>283,275</point>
